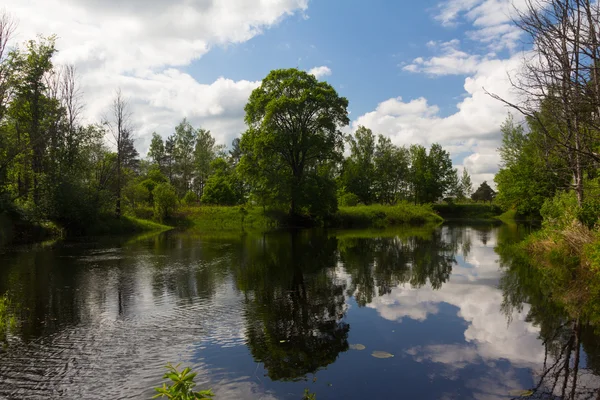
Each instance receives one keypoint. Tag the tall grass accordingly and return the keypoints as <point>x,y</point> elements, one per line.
<point>380,216</point>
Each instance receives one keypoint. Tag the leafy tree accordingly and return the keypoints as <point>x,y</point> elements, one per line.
<point>484,193</point>
<point>183,154</point>
<point>359,168</point>
<point>440,174</point>
<point>156,152</point>
<point>530,173</point>
<point>466,187</point>
<point>294,125</point>
<point>204,154</point>
<point>165,200</point>
<point>32,111</point>
<point>170,157</point>
<point>219,188</point>
<point>391,171</point>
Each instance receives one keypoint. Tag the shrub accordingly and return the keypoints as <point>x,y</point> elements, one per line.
<point>190,198</point>
<point>348,200</point>
<point>181,385</point>
<point>165,201</point>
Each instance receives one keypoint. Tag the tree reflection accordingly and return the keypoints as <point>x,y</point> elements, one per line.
<point>294,305</point>
<point>377,265</point>
<point>570,369</point>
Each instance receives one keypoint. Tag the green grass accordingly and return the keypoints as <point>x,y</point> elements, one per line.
<point>124,225</point>
<point>468,211</point>
<point>223,218</point>
<point>380,216</point>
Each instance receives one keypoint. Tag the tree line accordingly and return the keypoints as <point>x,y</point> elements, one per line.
<point>291,157</point>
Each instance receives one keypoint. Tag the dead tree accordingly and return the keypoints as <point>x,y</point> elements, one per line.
<point>558,86</point>
<point>119,122</point>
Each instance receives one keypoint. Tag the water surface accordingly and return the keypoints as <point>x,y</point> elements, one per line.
<point>404,313</point>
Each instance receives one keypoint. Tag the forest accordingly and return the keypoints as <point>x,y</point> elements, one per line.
<point>58,172</point>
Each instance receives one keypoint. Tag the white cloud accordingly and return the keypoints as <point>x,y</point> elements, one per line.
<point>472,289</point>
<point>320,72</point>
<point>474,128</point>
<point>491,20</point>
<point>451,61</point>
<point>139,44</point>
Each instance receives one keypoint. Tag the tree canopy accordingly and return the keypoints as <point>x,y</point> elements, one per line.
<point>293,138</point>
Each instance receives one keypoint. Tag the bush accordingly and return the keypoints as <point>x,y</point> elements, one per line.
<point>348,200</point>
<point>560,211</point>
<point>165,201</point>
<point>218,191</point>
<point>190,198</point>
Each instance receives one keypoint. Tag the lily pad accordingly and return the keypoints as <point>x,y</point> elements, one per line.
<point>381,354</point>
<point>357,346</point>
<point>521,393</point>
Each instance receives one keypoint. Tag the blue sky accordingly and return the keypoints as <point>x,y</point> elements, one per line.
<point>413,71</point>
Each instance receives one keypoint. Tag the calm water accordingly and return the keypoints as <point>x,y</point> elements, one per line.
<point>266,316</point>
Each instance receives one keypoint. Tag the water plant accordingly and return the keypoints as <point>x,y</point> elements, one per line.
<point>181,385</point>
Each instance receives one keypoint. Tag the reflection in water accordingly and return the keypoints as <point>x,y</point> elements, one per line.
<point>295,307</point>
<point>570,367</point>
<point>290,303</point>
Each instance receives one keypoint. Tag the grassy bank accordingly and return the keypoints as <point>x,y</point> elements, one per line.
<point>468,211</point>
<point>17,229</point>
<point>214,218</point>
<point>124,225</point>
<point>379,216</point>
<point>569,261</point>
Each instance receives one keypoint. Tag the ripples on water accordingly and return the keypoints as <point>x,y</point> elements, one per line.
<point>266,316</point>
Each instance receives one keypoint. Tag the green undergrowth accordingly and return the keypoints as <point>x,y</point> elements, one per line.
<point>380,216</point>
<point>467,211</point>
<point>224,218</point>
<point>18,229</point>
<point>567,253</point>
<point>124,225</point>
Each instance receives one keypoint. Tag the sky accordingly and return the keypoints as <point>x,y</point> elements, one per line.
<point>417,72</point>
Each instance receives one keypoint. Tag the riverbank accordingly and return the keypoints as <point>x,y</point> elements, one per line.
<point>239,218</point>
<point>468,212</point>
<point>16,229</point>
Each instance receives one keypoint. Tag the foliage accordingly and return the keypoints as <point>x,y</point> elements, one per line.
<point>467,211</point>
<point>530,172</point>
<point>484,193</point>
<point>348,200</point>
<point>165,201</point>
<point>381,216</point>
<point>293,133</point>
<point>181,385</point>
<point>359,169</point>
<point>190,198</point>
<point>221,187</point>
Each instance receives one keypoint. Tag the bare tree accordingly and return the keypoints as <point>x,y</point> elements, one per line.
<point>119,122</point>
<point>7,28</point>
<point>559,86</point>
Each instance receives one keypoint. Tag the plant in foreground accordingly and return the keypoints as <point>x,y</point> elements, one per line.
<point>181,385</point>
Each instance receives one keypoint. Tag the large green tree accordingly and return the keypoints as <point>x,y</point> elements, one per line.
<point>294,131</point>
<point>530,171</point>
<point>359,169</point>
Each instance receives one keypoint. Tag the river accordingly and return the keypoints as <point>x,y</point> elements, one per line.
<point>411,313</point>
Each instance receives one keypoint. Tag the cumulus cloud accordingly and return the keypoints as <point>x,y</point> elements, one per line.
<point>474,129</point>
<point>472,288</point>
<point>320,72</point>
<point>451,61</point>
<point>139,44</point>
<point>491,20</point>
